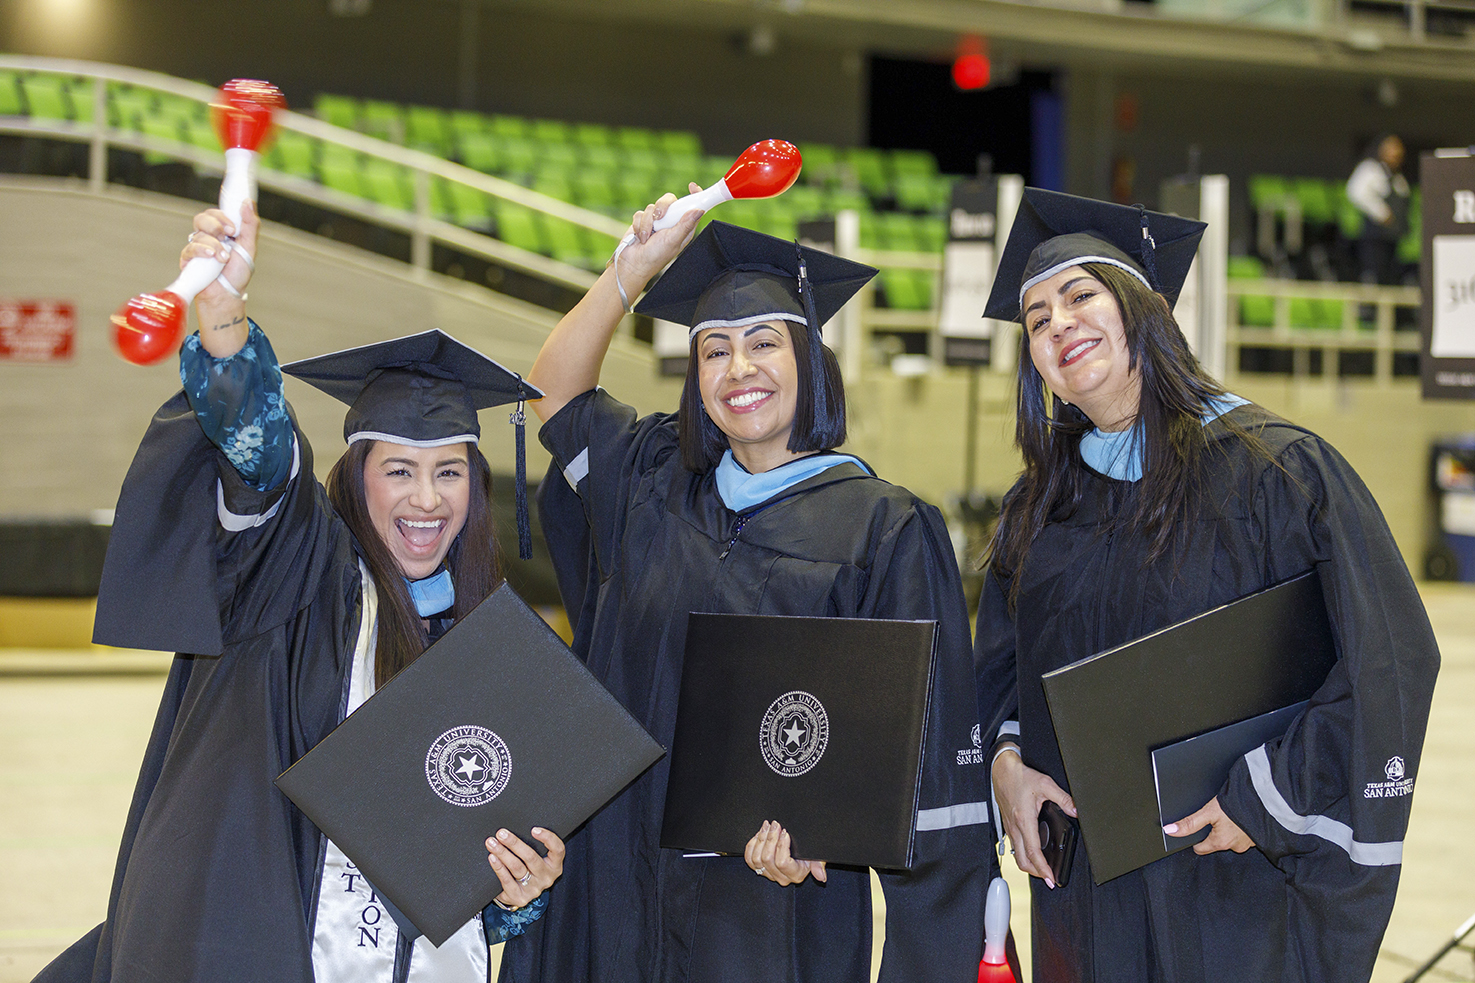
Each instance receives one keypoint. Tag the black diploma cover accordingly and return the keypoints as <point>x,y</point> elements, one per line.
<point>817,723</point>
<point>496,724</point>
<point>1111,711</point>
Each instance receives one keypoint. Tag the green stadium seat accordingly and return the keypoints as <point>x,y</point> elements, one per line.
<point>898,232</point>
<point>1254,311</point>
<point>507,126</point>
<point>820,163</point>
<point>567,242</point>
<point>646,159</point>
<point>387,184</point>
<point>594,189</point>
<point>482,151</point>
<point>47,97</point>
<point>905,290</point>
<point>519,157</point>
<point>1411,247</point>
<point>385,120</point>
<point>635,189</point>
<point>11,101</point>
<point>1317,204</point>
<point>518,225</point>
<point>201,133</point>
<point>804,201</point>
<point>636,138</point>
<point>558,156</point>
<point>840,200</point>
<point>1269,192</point>
<point>551,131</point>
<point>426,129</point>
<point>473,208</point>
<point>555,184</point>
<point>915,162</point>
<point>931,232</point>
<point>442,205</point>
<point>679,143</point>
<point>128,105</point>
<point>462,121</point>
<point>82,94</point>
<point>871,170</point>
<point>164,128</point>
<point>593,135</point>
<point>340,171</point>
<point>293,153</point>
<point>339,110</point>
<point>604,158</point>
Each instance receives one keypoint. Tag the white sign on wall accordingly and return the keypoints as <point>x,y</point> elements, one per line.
<point>1453,299</point>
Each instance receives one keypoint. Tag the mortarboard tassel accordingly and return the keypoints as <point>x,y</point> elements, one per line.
<point>1149,251</point>
<point>816,354</point>
<point>524,522</point>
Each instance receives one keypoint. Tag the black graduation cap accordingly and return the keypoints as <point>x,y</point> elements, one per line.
<point>730,276</point>
<point>423,390</point>
<point>1053,231</point>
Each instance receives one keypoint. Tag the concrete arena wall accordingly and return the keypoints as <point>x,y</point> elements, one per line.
<point>69,431</point>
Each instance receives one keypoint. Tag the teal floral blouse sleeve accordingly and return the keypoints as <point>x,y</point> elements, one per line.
<point>239,403</point>
<point>502,925</point>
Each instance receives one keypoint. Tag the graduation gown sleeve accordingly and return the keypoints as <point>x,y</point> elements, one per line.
<point>1329,802</point>
<point>934,912</point>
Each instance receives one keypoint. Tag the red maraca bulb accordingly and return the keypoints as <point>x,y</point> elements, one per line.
<point>243,116</point>
<point>767,168</point>
<point>148,328</point>
<point>995,973</point>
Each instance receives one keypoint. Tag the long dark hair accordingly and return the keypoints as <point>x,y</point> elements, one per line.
<point>1176,393</point>
<point>472,558</point>
<point>702,443</point>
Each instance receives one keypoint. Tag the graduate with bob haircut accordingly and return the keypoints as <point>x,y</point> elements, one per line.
<point>740,503</point>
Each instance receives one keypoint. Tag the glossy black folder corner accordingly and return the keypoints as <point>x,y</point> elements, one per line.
<point>1260,653</point>
<point>566,748</point>
<point>750,686</point>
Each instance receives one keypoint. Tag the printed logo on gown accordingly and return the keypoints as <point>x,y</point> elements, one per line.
<point>794,733</point>
<point>468,766</point>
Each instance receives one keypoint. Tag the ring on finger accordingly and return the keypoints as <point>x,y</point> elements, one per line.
<point>191,237</point>
<point>523,880</point>
<point>760,871</point>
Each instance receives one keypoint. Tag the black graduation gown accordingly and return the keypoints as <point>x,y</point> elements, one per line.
<point>217,869</point>
<point>1312,902</point>
<point>663,544</point>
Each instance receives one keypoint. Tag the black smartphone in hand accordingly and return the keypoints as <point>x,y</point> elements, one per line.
<point>1058,835</point>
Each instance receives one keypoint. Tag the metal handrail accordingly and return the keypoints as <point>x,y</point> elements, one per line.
<point>1382,339</point>
<point>422,226</point>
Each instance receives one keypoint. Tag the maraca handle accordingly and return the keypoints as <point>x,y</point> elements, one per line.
<point>238,187</point>
<point>703,200</point>
<point>996,921</point>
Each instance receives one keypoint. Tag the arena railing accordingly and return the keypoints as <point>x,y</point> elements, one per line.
<point>1352,334</point>
<point>423,228</point>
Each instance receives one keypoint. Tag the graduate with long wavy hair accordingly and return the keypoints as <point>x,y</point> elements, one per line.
<point>1149,495</point>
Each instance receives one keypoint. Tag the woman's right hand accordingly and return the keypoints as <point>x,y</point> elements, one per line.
<point>1019,792</point>
<point>652,251</point>
<point>223,327</point>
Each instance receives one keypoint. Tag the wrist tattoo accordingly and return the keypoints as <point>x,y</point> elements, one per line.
<point>231,324</point>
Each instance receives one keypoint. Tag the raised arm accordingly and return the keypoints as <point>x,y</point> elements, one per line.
<point>223,328</point>
<point>570,359</point>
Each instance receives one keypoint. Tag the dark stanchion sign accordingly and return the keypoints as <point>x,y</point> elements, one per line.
<point>1447,274</point>
<point>968,264</point>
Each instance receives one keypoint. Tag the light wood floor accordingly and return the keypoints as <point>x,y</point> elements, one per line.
<point>71,740</point>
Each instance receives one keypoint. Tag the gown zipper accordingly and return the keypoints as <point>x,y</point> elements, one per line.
<point>738,531</point>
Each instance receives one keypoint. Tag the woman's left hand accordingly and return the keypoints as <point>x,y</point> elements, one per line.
<point>524,874</point>
<point>1226,834</point>
<point>767,853</point>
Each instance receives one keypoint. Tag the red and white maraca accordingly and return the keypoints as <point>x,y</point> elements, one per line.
<point>149,327</point>
<point>766,169</point>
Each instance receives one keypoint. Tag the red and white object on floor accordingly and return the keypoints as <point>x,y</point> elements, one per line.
<point>149,327</point>
<point>995,965</point>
